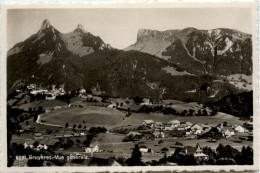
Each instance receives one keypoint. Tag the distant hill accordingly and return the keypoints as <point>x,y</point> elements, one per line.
<point>218,51</point>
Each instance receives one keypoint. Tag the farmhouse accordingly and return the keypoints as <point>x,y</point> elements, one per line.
<point>50,97</point>
<point>196,127</point>
<point>157,125</point>
<point>112,105</point>
<point>147,123</point>
<point>169,127</point>
<point>228,131</point>
<point>28,144</point>
<point>144,150</point>
<point>194,151</point>
<point>174,122</point>
<point>170,152</point>
<point>146,102</point>
<point>42,147</point>
<point>240,129</point>
<point>48,142</point>
<point>219,127</point>
<point>92,149</point>
<point>82,91</point>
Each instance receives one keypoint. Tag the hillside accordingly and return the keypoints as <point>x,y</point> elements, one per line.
<point>240,105</point>
<point>81,60</point>
<point>218,51</point>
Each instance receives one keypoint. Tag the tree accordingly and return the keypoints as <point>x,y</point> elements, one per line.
<point>136,157</point>
<point>137,100</point>
<point>35,117</point>
<point>205,112</point>
<point>69,143</point>
<point>191,111</point>
<point>40,109</point>
<point>164,149</point>
<point>66,125</point>
<point>199,112</point>
<point>35,144</point>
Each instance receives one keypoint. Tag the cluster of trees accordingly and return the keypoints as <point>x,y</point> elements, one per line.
<point>240,105</point>
<point>37,97</point>
<point>75,126</point>
<point>170,110</point>
<point>97,130</point>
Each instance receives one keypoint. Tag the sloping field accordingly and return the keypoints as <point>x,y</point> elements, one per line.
<point>43,103</point>
<point>137,118</point>
<point>92,115</point>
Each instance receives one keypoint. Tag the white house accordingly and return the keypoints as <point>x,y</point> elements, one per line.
<point>146,102</point>
<point>82,91</point>
<point>82,134</point>
<point>28,144</point>
<point>42,146</point>
<point>92,149</point>
<point>240,128</point>
<point>228,131</point>
<point>50,97</point>
<point>112,106</point>
<point>144,150</point>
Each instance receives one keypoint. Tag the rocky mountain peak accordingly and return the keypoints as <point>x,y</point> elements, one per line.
<point>45,25</point>
<point>80,28</point>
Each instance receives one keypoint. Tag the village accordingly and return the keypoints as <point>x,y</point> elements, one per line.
<point>164,135</point>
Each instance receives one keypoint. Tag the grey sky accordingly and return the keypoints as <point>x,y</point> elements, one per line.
<point>119,27</point>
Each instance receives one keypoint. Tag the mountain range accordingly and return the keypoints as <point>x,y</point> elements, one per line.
<point>171,64</point>
<point>216,51</point>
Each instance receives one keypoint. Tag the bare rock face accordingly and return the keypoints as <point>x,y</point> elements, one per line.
<point>217,51</point>
<point>45,25</point>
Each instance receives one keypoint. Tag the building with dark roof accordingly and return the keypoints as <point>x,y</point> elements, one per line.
<point>194,151</point>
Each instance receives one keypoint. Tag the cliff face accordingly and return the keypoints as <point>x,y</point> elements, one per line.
<point>217,51</point>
